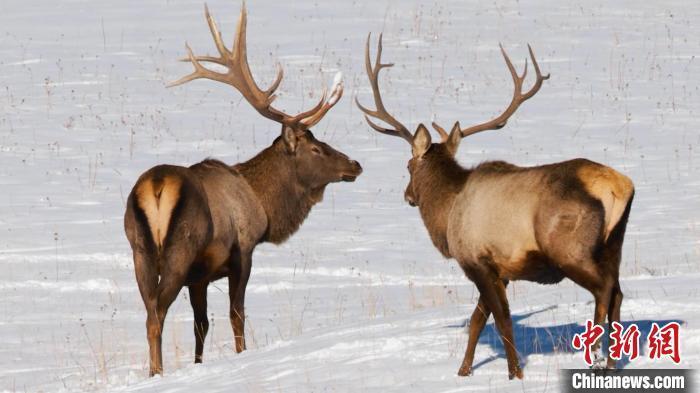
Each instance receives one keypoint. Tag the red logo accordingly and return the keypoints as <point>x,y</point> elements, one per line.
<point>627,343</point>
<point>662,341</point>
<point>665,341</point>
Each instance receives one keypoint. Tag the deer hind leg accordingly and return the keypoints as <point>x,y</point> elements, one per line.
<point>172,279</point>
<point>612,254</point>
<point>603,298</point>
<point>574,243</point>
<point>147,279</point>
<point>493,291</point>
<point>611,264</point>
<point>237,282</point>
<point>614,315</point>
<point>589,275</point>
<point>198,300</point>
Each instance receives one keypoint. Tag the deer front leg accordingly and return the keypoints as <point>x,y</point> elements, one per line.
<point>493,291</point>
<point>476,325</point>
<point>504,323</point>
<point>237,282</point>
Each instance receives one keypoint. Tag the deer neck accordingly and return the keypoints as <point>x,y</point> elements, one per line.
<point>438,183</point>
<point>275,182</point>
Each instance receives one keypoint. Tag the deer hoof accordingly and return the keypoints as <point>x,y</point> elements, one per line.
<point>465,371</point>
<point>599,362</point>
<point>517,373</point>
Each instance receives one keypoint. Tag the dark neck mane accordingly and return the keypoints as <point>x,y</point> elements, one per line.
<point>438,182</point>
<point>274,181</point>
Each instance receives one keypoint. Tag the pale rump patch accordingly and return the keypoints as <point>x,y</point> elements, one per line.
<point>158,199</point>
<point>612,188</point>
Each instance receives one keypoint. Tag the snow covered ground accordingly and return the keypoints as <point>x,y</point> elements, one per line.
<point>358,299</point>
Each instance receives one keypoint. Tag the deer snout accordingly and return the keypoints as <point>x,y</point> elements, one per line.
<point>409,198</point>
<point>354,171</point>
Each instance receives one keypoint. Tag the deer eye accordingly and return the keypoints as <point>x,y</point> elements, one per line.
<point>315,150</point>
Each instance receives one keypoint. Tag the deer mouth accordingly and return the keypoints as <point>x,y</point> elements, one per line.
<point>353,173</point>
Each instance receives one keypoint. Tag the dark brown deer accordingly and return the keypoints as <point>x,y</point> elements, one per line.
<point>190,226</point>
<point>502,222</point>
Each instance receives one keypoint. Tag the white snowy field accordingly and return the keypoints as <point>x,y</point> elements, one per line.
<point>358,299</point>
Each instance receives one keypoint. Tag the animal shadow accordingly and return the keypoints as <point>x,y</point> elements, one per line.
<point>551,339</point>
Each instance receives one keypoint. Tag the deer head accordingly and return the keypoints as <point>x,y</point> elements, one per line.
<point>314,163</point>
<point>426,155</point>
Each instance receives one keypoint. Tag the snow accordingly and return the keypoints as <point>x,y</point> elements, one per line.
<point>337,88</point>
<point>358,299</point>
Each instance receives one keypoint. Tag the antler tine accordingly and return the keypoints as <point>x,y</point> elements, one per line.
<point>216,34</point>
<point>315,108</point>
<point>199,72</point>
<point>224,53</point>
<point>518,96</point>
<point>538,82</point>
<point>276,83</point>
<point>443,134</point>
<point>315,115</point>
<point>380,113</point>
<point>239,59</point>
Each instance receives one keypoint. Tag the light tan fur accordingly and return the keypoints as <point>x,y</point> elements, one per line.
<point>158,199</point>
<point>612,188</point>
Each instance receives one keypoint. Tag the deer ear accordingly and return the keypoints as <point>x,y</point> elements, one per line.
<point>421,141</point>
<point>290,138</point>
<point>454,139</point>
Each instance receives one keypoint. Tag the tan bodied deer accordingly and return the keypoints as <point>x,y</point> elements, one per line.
<point>190,226</point>
<point>502,222</point>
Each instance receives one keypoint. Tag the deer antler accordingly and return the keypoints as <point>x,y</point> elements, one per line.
<point>443,134</point>
<point>380,113</point>
<point>239,76</point>
<point>518,97</point>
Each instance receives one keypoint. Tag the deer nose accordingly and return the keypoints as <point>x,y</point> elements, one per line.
<point>410,200</point>
<point>357,166</point>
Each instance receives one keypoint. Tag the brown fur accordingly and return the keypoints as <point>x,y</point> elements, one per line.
<point>439,192</point>
<point>286,203</point>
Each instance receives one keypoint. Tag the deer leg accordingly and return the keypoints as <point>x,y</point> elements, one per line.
<point>476,325</point>
<point>603,298</point>
<point>611,263</point>
<point>587,274</point>
<point>506,329</point>
<point>237,282</point>
<point>172,279</point>
<point>614,314</point>
<point>493,291</point>
<point>198,300</point>
<point>147,280</point>
<point>169,287</point>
